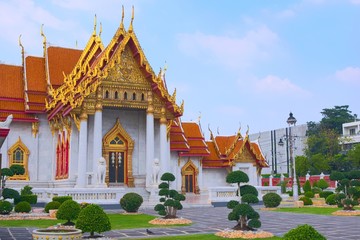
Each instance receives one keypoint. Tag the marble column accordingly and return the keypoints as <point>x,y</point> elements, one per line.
<point>97,141</point>
<point>149,140</point>
<point>81,180</point>
<point>164,161</point>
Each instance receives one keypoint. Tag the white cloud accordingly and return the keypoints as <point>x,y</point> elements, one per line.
<point>234,52</point>
<point>287,13</point>
<point>275,84</point>
<point>349,75</point>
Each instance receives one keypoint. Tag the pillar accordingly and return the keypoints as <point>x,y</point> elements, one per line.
<point>97,141</point>
<point>149,139</point>
<point>81,174</point>
<point>164,161</point>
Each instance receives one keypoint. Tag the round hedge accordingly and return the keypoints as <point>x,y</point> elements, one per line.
<point>249,198</point>
<point>248,189</point>
<point>92,219</point>
<point>303,232</point>
<point>22,207</point>
<point>10,193</point>
<point>330,200</point>
<point>271,200</point>
<point>309,194</point>
<point>5,207</point>
<point>323,184</point>
<point>69,210</point>
<point>61,199</point>
<point>131,202</point>
<point>325,194</point>
<point>52,205</point>
<point>307,201</point>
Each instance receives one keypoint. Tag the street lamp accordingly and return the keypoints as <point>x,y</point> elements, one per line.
<point>292,121</point>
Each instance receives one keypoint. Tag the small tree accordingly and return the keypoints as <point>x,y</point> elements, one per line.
<point>93,219</point>
<point>170,199</point>
<point>307,186</point>
<point>237,177</point>
<point>247,218</point>
<point>69,210</point>
<point>323,184</point>
<point>5,173</point>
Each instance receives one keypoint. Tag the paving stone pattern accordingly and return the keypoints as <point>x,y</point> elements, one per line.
<point>211,220</point>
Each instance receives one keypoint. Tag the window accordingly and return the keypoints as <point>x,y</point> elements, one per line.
<point>116,95</point>
<point>125,95</point>
<point>19,155</point>
<point>107,94</point>
<point>142,97</point>
<point>134,96</point>
<point>352,131</point>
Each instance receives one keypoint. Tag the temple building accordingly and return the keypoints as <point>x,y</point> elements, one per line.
<point>72,107</point>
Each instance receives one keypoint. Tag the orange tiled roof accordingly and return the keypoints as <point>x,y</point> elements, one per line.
<point>61,60</point>
<point>11,81</point>
<point>178,141</point>
<point>35,74</point>
<point>195,139</point>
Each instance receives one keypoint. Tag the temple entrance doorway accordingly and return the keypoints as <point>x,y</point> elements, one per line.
<point>116,167</point>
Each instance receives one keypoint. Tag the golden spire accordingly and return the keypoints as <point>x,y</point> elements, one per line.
<point>132,19</point>
<point>122,18</point>
<point>22,51</point>
<point>100,31</point>
<point>44,39</point>
<point>94,33</point>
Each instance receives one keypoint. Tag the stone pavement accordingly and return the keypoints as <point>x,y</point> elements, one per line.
<point>211,220</point>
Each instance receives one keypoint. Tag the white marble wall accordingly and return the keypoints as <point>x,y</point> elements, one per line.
<point>214,177</point>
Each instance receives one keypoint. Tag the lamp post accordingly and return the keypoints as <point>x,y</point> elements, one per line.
<point>292,121</point>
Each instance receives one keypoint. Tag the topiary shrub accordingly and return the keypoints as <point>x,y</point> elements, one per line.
<point>131,202</point>
<point>5,207</point>
<point>9,193</point>
<point>325,194</point>
<point>170,198</point>
<point>247,218</point>
<point>248,189</point>
<point>62,199</point>
<point>338,198</point>
<point>309,194</point>
<point>271,200</point>
<point>302,232</point>
<point>316,190</point>
<point>249,198</point>
<point>307,201</point>
<point>93,219</point>
<point>51,205</point>
<point>68,210</point>
<point>26,190</point>
<point>32,199</point>
<point>315,184</point>
<point>22,207</point>
<point>307,186</point>
<point>330,200</point>
<point>323,184</point>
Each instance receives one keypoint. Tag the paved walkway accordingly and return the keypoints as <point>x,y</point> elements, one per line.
<point>211,220</point>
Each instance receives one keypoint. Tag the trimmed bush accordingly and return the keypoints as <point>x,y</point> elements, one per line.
<point>325,194</point>
<point>307,186</point>
<point>52,205</point>
<point>248,189</point>
<point>249,198</point>
<point>10,193</point>
<point>32,199</point>
<point>338,198</point>
<point>302,232</point>
<point>131,202</point>
<point>93,219</point>
<point>330,200</point>
<point>5,207</point>
<point>323,184</point>
<point>61,199</point>
<point>68,210</point>
<point>316,190</point>
<point>309,194</point>
<point>22,207</point>
<point>307,201</point>
<point>26,190</point>
<point>271,200</point>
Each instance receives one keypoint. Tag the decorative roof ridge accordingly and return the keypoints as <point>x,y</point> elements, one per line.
<point>237,137</point>
<point>23,70</point>
<point>212,138</point>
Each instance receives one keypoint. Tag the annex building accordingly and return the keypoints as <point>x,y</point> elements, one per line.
<point>71,107</point>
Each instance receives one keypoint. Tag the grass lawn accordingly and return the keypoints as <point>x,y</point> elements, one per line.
<point>118,221</point>
<point>203,237</point>
<point>311,210</point>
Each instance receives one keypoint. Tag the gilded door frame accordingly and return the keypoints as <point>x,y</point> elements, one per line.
<point>195,171</point>
<point>127,148</point>
<point>26,153</point>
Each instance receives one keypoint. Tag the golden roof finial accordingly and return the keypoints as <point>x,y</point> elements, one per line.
<point>22,50</point>
<point>247,131</point>
<point>94,33</point>
<point>132,19</point>
<point>122,18</point>
<point>44,39</point>
<point>100,31</point>
<point>199,118</point>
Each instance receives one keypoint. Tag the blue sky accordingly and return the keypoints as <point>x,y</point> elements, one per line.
<point>234,62</point>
